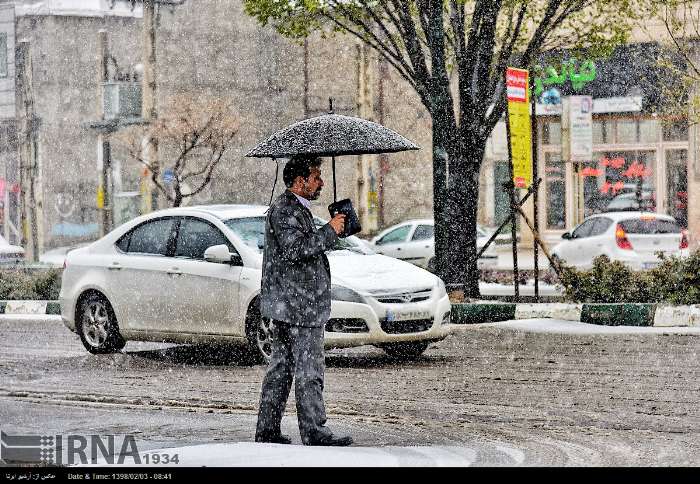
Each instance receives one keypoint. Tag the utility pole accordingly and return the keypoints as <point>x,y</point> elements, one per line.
<point>30,203</point>
<point>104,189</point>
<point>149,105</point>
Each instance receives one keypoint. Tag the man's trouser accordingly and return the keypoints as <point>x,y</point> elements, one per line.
<point>297,353</point>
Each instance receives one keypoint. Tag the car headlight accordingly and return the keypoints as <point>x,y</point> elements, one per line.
<point>440,288</point>
<point>342,293</point>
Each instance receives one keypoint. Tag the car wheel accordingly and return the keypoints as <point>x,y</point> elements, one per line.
<point>259,333</point>
<point>406,350</point>
<point>97,326</point>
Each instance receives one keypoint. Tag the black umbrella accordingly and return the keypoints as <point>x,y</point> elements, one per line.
<point>332,135</point>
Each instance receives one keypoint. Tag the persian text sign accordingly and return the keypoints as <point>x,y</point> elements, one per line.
<point>581,128</point>
<point>520,129</point>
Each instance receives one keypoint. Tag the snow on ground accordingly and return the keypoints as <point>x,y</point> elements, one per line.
<point>559,326</point>
<point>493,289</point>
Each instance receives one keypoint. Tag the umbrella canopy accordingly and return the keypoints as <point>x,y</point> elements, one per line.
<point>332,135</point>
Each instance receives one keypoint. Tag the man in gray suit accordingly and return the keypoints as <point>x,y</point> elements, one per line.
<point>296,296</point>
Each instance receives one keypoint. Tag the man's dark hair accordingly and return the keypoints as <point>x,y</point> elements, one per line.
<point>299,165</point>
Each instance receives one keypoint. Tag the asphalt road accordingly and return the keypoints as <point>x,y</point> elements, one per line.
<point>505,394</point>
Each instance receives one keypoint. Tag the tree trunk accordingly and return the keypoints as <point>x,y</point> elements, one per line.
<point>177,201</point>
<point>440,159</point>
<point>461,214</point>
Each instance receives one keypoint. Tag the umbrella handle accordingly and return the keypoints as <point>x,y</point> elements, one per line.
<point>335,197</point>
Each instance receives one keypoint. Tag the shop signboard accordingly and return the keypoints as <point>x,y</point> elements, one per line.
<point>519,125</point>
<point>581,128</point>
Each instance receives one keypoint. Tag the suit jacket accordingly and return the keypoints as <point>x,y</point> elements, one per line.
<point>296,276</point>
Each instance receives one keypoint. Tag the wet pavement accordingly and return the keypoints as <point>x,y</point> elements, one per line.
<point>493,394</point>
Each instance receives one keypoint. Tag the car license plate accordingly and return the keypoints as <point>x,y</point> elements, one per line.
<point>650,265</point>
<point>407,315</point>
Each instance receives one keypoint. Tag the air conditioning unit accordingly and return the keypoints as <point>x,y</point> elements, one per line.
<point>122,100</point>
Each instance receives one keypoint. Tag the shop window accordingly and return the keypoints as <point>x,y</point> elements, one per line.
<point>675,130</point>
<point>551,133</point>
<point>648,131</point>
<point>626,131</point>
<point>677,185</point>
<point>620,181</point>
<point>591,175</point>
<point>601,129</point>
<point>555,183</point>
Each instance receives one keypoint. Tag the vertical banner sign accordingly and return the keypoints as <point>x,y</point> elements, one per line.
<point>581,128</point>
<point>520,130</point>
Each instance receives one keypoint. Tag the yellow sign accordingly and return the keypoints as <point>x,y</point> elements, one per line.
<point>520,128</point>
<point>100,197</point>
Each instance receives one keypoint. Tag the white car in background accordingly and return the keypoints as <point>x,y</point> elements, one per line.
<point>10,254</point>
<point>56,257</point>
<point>413,241</point>
<point>633,238</point>
<point>193,275</point>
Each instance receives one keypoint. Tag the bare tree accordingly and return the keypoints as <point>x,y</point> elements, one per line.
<point>196,131</point>
<point>681,58</point>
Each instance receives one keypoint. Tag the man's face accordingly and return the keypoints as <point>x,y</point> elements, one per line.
<point>313,184</point>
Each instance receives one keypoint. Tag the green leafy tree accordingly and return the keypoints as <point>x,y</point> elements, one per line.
<point>428,43</point>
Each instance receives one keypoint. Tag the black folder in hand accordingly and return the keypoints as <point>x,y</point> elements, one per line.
<point>352,223</point>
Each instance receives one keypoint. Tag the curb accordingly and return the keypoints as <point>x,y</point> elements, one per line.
<point>613,314</point>
<point>30,307</point>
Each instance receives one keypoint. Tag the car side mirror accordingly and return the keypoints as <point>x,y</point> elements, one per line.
<point>566,236</point>
<point>220,254</point>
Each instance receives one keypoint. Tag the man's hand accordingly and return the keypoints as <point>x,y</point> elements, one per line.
<point>338,223</point>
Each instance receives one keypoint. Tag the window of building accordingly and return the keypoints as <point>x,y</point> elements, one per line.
<point>648,131</point>
<point>626,131</point>
<point>3,54</point>
<point>551,132</point>
<point>601,129</point>
<point>555,183</point>
<point>675,130</point>
<point>621,181</point>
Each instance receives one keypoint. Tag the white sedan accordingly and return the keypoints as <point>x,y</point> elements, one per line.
<point>10,254</point>
<point>193,275</point>
<point>633,238</point>
<point>413,241</point>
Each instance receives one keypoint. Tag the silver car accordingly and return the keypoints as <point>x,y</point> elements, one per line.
<point>413,241</point>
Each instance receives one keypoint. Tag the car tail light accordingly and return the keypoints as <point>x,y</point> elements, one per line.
<point>621,238</point>
<point>684,239</point>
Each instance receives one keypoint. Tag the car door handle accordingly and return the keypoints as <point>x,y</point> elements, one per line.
<point>115,266</point>
<point>398,248</point>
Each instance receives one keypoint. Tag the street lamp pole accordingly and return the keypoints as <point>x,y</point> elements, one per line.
<point>149,106</point>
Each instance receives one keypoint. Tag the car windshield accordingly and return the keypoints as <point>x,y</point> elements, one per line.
<point>650,226</point>
<point>251,230</point>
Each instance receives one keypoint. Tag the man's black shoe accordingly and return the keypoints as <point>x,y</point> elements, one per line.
<point>277,439</point>
<point>333,440</point>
